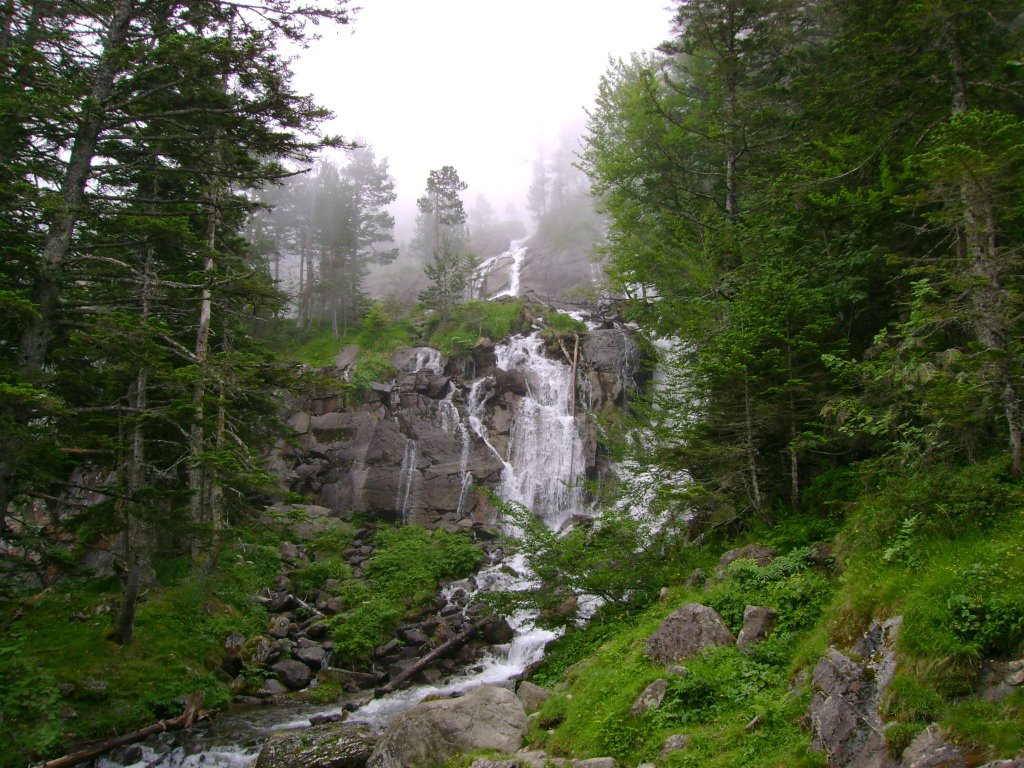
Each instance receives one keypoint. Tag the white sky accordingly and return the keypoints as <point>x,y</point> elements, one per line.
<point>477,84</point>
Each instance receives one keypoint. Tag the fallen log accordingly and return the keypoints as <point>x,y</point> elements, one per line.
<point>445,647</point>
<point>181,722</point>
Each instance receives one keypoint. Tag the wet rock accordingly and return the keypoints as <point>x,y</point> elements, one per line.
<point>847,692</point>
<point>650,698</point>
<point>332,745</point>
<point>333,717</point>
<point>497,632</point>
<point>433,732</point>
<point>293,674</point>
<point>270,688</point>
<point>684,633</point>
<point>532,696</point>
<point>930,749</point>
<point>758,622</point>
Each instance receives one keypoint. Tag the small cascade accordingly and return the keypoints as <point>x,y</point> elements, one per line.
<point>407,472</point>
<point>451,422</point>
<point>479,392</point>
<point>427,359</point>
<point>512,259</point>
<point>545,454</point>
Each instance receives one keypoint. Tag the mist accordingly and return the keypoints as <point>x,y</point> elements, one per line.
<point>482,86</point>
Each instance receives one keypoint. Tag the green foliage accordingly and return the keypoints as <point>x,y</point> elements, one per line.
<point>614,555</point>
<point>320,570</point>
<point>472,320</point>
<point>561,324</point>
<point>30,723</point>
<point>401,576</point>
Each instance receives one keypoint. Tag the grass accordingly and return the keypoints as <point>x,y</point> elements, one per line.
<point>956,574</point>
<point>475,319</point>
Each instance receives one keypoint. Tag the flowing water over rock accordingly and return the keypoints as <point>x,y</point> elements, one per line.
<point>499,275</point>
<point>428,438</point>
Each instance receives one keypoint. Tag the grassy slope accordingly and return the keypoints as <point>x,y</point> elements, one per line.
<point>956,573</point>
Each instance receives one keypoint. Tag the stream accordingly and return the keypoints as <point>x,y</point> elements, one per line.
<point>542,471</point>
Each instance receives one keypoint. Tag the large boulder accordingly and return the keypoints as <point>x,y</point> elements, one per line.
<point>847,691</point>
<point>532,696</point>
<point>432,732</point>
<point>686,632</point>
<point>293,674</point>
<point>332,745</point>
<point>759,553</point>
<point>650,697</point>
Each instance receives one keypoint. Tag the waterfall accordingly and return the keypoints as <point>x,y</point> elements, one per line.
<point>476,284</point>
<point>451,422</point>
<point>407,472</point>
<point>545,462</point>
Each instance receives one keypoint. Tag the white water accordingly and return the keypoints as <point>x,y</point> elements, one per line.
<point>545,462</point>
<point>428,359</point>
<point>451,422</point>
<point>512,258</point>
<point>542,470</point>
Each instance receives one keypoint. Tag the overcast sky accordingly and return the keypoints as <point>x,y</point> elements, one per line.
<point>477,84</point>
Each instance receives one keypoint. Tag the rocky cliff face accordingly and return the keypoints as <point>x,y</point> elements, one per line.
<point>420,447</point>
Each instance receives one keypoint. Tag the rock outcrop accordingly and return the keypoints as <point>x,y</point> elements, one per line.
<point>931,749</point>
<point>432,732</point>
<point>686,632</point>
<point>417,447</point>
<point>845,721</point>
<point>758,622</point>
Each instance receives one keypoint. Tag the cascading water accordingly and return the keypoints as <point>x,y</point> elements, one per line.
<point>451,422</point>
<point>476,284</point>
<point>408,472</point>
<point>545,455</point>
<point>543,467</point>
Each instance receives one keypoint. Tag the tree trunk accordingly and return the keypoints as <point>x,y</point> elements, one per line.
<point>751,450</point>
<point>35,338</point>
<point>988,297</point>
<point>197,438</point>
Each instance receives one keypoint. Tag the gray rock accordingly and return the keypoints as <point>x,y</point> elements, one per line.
<point>677,742</point>
<point>650,698</point>
<point>758,622</point>
<point>331,745</point>
<point>482,762</point>
<point>432,732</point>
<point>759,553</point>
<point>293,674</point>
<point>847,693</point>
<point>279,627</point>
<point>686,632</point>
<point>413,635</point>
<point>312,656</point>
<point>596,762</point>
<point>532,696</point>
<point>497,632</point>
<point>930,749</point>
<point>344,359</point>
<point>299,422</point>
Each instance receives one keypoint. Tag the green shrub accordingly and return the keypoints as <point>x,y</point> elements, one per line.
<point>362,628</point>
<point>30,723</point>
<point>316,573</point>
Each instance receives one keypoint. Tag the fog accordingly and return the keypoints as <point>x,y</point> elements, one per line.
<point>478,84</point>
